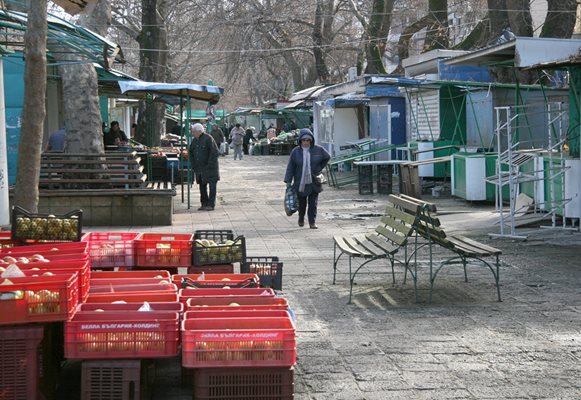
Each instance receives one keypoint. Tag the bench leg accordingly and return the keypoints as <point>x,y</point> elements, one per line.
<point>497,277</point>
<point>335,260</point>
<point>351,279</point>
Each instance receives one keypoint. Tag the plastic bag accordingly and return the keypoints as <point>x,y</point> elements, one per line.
<point>13,272</point>
<point>291,201</point>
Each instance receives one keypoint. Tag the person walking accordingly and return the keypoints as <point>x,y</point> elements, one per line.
<point>203,156</point>
<point>305,164</point>
<point>237,138</point>
<point>218,137</point>
<point>56,141</point>
<point>248,139</point>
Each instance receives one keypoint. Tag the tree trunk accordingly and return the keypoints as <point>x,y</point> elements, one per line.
<point>82,112</point>
<point>152,67</point>
<point>375,43</point>
<point>519,17</point>
<point>34,110</point>
<point>318,42</point>
<point>560,19</point>
<point>403,45</point>
<point>437,35</point>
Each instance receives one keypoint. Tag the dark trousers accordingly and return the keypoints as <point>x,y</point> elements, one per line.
<point>205,198</point>
<point>245,148</point>
<point>311,201</point>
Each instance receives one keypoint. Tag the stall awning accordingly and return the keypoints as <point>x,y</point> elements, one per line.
<point>80,43</point>
<point>309,93</point>
<point>522,52</point>
<point>199,92</point>
<point>295,104</point>
<point>347,101</point>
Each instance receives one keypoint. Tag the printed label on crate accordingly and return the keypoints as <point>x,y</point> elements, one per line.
<point>241,335</point>
<point>113,237</point>
<point>144,325</point>
<point>167,238</point>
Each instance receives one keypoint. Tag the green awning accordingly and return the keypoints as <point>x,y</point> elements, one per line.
<point>62,36</point>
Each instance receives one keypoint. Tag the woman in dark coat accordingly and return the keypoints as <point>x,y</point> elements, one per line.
<point>248,138</point>
<point>203,156</point>
<point>305,163</point>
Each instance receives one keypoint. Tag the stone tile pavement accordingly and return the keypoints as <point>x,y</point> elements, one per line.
<point>465,345</point>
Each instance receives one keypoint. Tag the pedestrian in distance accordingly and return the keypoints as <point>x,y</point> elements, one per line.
<point>248,139</point>
<point>218,137</point>
<point>203,156</point>
<point>304,174</point>
<point>237,139</point>
<point>56,141</point>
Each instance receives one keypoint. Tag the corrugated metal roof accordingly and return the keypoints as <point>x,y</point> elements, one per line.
<point>79,41</point>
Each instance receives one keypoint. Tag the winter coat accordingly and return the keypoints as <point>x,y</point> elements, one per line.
<point>294,169</point>
<point>203,157</point>
<point>237,135</point>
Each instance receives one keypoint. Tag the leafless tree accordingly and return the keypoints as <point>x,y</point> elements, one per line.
<point>34,110</point>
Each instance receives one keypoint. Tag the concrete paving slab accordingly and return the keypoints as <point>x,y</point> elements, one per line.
<point>465,345</point>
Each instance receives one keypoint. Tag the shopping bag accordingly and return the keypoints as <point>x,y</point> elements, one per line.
<point>291,201</point>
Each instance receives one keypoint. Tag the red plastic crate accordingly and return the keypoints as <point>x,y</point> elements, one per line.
<point>122,307</point>
<point>130,274</point>
<point>237,303</point>
<point>63,247</point>
<point>163,249</point>
<point>212,269</point>
<point>19,364</point>
<point>204,312</point>
<point>82,266</point>
<point>83,279</point>
<point>238,342</point>
<point>129,281</point>
<point>137,297</point>
<point>217,281</point>
<point>122,335</point>
<point>111,379</point>
<point>6,240</point>
<point>243,383</point>
<point>39,299</point>
<point>208,292</point>
<point>111,249</point>
<point>168,287</point>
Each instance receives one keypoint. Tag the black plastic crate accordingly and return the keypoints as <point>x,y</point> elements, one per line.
<point>217,247</point>
<point>268,269</point>
<point>28,226</point>
<point>244,383</point>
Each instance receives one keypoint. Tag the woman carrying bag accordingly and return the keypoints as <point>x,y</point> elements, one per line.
<point>303,175</point>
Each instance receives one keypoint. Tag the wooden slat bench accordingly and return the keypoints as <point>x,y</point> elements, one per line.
<point>383,243</point>
<point>110,188</point>
<point>465,249</point>
<point>91,171</point>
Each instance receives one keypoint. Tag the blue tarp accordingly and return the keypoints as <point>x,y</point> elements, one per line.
<point>199,92</point>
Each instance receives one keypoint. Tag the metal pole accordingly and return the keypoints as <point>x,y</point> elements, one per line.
<point>4,199</point>
<point>188,140</point>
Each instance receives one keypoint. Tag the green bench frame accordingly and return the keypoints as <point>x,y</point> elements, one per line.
<point>465,249</point>
<point>396,230</point>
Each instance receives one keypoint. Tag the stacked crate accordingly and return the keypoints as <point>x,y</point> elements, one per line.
<point>163,251</point>
<point>385,179</point>
<point>129,316</point>
<point>40,286</point>
<point>111,250</point>
<point>240,343</point>
<point>216,251</point>
<point>365,179</point>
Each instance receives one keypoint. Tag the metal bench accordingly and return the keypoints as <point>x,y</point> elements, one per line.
<point>397,227</point>
<point>464,249</point>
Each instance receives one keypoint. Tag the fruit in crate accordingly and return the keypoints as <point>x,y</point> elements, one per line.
<point>55,226</point>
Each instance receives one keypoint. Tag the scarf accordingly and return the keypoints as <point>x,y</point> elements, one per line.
<point>306,177</point>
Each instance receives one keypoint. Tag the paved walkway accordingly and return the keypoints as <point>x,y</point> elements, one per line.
<point>465,345</point>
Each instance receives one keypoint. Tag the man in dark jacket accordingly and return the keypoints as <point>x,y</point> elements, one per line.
<point>305,165</point>
<point>203,156</point>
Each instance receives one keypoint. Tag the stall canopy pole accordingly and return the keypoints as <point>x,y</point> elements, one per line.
<point>181,161</point>
<point>188,141</point>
